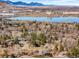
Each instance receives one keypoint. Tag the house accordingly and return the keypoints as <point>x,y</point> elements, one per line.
<point>6,14</point>
<point>71,12</point>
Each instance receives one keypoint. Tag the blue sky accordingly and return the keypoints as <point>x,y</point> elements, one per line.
<point>54,2</point>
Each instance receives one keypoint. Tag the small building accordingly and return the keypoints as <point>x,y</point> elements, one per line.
<point>48,12</point>
<point>6,14</point>
<point>70,12</point>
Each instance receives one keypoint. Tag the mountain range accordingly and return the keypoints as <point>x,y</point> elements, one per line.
<point>22,3</point>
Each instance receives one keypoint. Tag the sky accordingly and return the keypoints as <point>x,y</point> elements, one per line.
<point>53,2</point>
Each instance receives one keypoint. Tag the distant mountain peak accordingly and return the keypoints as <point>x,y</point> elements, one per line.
<point>22,3</point>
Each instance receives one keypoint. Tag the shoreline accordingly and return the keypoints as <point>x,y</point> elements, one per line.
<point>50,20</point>
<point>39,15</point>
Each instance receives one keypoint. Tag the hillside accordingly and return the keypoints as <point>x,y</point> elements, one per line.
<point>3,3</point>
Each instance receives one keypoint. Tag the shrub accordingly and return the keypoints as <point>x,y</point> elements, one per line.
<point>5,55</point>
<point>61,47</point>
<point>77,26</point>
<point>78,43</point>
<point>4,37</point>
<point>15,40</point>
<point>24,34</point>
<point>34,38</point>
<point>38,40</point>
<point>24,31</point>
<point>42,39</point>
<point>74,52</point>
<point>43,56</point>
<point>55,38</point>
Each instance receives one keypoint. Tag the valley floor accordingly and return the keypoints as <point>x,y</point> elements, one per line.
<point>30,39</point>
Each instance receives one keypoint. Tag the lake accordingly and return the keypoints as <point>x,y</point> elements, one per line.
<point>49,19</point>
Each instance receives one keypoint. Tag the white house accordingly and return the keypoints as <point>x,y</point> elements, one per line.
<point>6,14</point>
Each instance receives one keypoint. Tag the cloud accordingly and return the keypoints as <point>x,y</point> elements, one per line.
<point>64,2</point>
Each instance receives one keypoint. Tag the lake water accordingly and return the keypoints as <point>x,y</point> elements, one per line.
<point>48,19</point>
